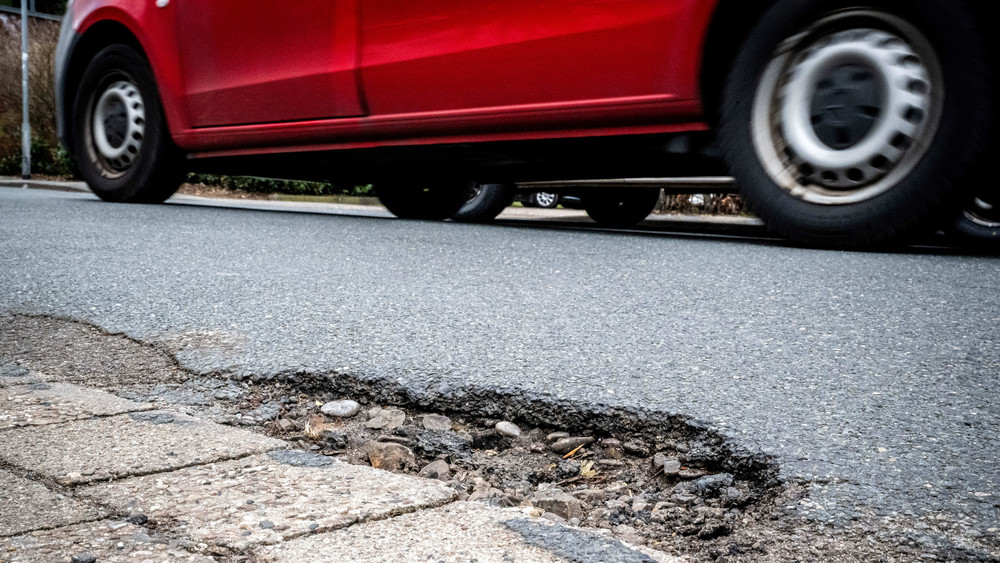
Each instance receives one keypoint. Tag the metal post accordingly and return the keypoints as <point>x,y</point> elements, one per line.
<point>26,125</point>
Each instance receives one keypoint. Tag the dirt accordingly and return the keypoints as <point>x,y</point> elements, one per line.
<point>720,505</point>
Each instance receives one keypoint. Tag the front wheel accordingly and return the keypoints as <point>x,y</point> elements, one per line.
<point>432,201</point>
<point>120,136</point>
<point>848,125</point>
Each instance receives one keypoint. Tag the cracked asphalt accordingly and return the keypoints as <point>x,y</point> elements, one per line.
<point>872,377</point>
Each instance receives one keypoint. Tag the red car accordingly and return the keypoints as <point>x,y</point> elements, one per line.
<point>844,123</point>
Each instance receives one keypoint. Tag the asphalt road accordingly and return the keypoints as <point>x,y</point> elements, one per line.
<point>872,376</point>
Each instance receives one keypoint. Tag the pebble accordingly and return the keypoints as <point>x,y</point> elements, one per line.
<point>666,465</point>
<point>636,448</point>
<point>566,445</point>
<point>437,422</point>
<point>344,408</point>
<point>267,524</point>
<point>385,419</point>
<point>690,473</point>
<point>389,456</point>
<point>436,470</point>
<point>611,443</point>
<point>556,436</point>
<point>508,429</point>
<point>83,559</point>
<point>553,517</point>
<point>558,502</point>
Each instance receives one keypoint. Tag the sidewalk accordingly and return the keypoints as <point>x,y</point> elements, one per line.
<point>86,476</point>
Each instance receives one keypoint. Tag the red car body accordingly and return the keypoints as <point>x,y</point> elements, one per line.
<point>277,76</point>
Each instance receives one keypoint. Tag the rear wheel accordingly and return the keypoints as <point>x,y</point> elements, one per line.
<point>120,136</point>
<point>433,201</point>
<point>856,126</point>
<point>979,223</point>
<point>485,202</point>
<point>545,200</point>
<point>620,208</point>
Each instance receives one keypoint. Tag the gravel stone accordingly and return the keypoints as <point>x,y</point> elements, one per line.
<point>558,502</point>
<point>389,455</point>
<point>666,465</point>
<point>508,429</point>
<point>563,446</point>
<point>553,437</point>
<point>436,470</point>
<point>344,408</point>
<point>385,419</point>
<point>436,422</point>
<point>450,444</point>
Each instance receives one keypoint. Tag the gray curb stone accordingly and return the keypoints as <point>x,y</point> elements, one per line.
<point>126,445</point>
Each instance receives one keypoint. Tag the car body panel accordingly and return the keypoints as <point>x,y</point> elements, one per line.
<point>541,82</point>
<point>275,61</point>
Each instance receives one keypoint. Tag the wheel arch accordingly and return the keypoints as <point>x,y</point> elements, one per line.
<point>730,25</point>
<point>96,37</point>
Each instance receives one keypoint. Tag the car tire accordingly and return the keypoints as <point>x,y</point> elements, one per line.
<point>856,127</point>
<point>487,201</point>
<point>121,140</point>
<point>544,200</point>
<point>433,201</point>
<point>978,225</point>
<point>620,208</point>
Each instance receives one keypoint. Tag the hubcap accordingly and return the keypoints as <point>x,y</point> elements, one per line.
<point>545,199</point>
<point>118,126</point>
<point>984,213</point>
<point>847,109</point>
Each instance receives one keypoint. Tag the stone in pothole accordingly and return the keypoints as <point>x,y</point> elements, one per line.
<point>132,444</point>
<point>26,506</point>
<point>50,403</point>
<point>103,541</point>
<point>268,498</point>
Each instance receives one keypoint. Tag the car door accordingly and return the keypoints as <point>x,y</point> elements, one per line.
<point>443,55</point>
<point>268,60</point>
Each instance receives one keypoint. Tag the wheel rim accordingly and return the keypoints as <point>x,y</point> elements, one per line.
<point>845,110</point>
<point>545,199</point>
<point>117,128</point>
<point>984,213</point>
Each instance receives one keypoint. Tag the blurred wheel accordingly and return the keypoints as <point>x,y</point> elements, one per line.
<point>620,208</point>
<point>856,126</point>
<point>121,139</point>
<point>485,202</point>
<point>431,202</point>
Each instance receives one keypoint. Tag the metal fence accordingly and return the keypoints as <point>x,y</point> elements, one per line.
<point>45,9</point>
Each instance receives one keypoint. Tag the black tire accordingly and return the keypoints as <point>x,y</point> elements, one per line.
<point>545,200</point>
<point>150,168</point>
<point>435,201</point>
<point>978,225</point>
<point>487,201</point>
<point>620,208</point>
<point>928,181</point>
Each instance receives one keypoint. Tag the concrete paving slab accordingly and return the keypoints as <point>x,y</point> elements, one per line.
<point>26,506</point>
<point>103,541</point>
<point>120,446</point>
<point>268,498</point>
<point>13,374</point>
<point>50,403</point>
<point>463,531</point>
